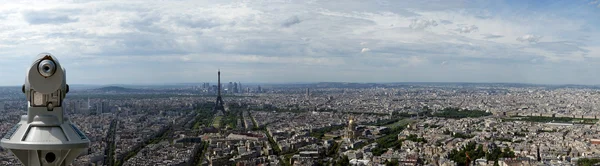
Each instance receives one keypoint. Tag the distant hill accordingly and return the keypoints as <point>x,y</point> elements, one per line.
<point>346,85</point>
<point>116,89</point>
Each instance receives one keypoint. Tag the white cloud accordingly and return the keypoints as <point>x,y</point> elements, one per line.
<point>260,37</point>
<point>467,29</point>
<point>529,38</point>
<point>446,22</point>
<point>422,23</point>
<point>291,21</point>
<point>415,60</point>
<point>365,50</point>
<point>491,36</point>
<point>48,17</point>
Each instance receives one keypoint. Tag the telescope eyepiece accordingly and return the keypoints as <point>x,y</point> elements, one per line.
<point>47,68</point>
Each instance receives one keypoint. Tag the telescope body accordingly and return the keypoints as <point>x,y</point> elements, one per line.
<point>45,137</point>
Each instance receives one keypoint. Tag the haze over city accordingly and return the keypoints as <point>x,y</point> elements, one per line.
<point>158,42</point>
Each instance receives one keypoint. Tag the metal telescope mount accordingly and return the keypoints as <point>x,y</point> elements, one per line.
<point>45,137</point>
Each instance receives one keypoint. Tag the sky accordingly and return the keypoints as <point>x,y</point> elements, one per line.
<point>278,41</point>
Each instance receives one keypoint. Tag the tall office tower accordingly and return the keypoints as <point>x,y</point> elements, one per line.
<point>99,108</point>
<point>307,93</point>
<point>219,108</point>
<point>230,88</point>
<point>240,87</point>
<point>259,89</point>
<point>235,87</point>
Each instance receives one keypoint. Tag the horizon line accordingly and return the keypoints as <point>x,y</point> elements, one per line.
<point>283,83</point>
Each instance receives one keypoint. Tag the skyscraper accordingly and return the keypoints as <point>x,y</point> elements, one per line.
<point>235,87</point>
<point>240,87</point>
<point>307,93</point>
<point>230,88</point>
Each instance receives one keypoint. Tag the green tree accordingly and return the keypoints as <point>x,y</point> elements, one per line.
<point>508,153</point>
<point>587,162</point>
<point>474,150</point>
<point>343,162</point>
<point>394,162</point>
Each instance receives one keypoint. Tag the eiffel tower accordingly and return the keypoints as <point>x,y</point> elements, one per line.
<point>218,108</point>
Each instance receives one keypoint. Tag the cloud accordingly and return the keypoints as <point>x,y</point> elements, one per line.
<point>415,60</point>
<point>482,14</point>
<point>422,23</point>
<point>593,2</point>
<point>147,22</point>
<point>182,39</point>
<point>445,22</point>
<point>48,17</point>
<point>491,36</point>
<point>365,50</point>
<point>529,38</point>
<point>561,47</point>
<point>483,17</point>
<point>201,23</point>
<point>291,21</point>
<point>467,29</point>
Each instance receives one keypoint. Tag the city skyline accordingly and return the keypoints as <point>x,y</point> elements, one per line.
<point>295,41</point>
<point>426,123</point>
<point>253,84</point>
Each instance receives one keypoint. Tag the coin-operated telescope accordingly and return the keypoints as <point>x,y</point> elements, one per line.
<point>44,137</point>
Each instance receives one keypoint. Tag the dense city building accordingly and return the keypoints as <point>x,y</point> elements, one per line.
<point>362,124</point>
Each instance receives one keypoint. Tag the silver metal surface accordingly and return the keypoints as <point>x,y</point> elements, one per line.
<point>44,137</point>
<point>47,68</point>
